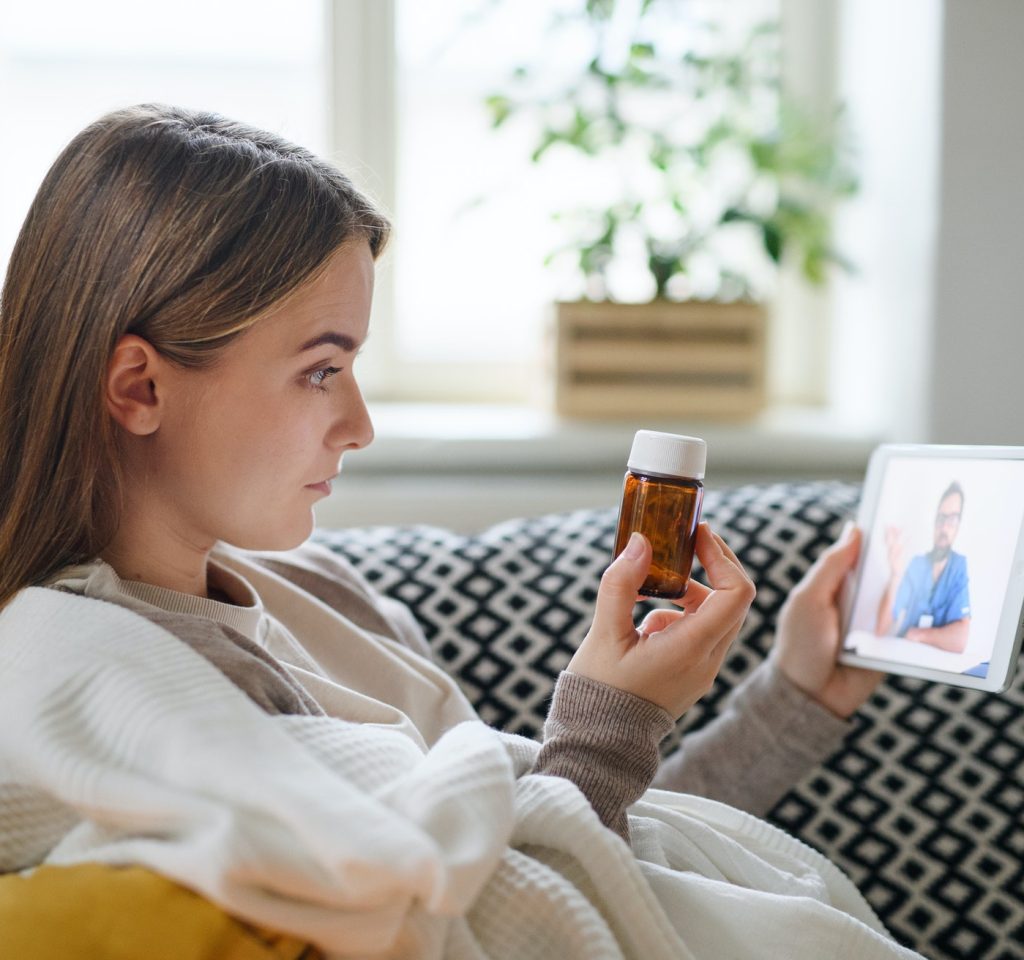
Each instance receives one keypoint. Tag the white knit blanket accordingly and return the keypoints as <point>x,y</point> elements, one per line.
<point>120,744</point>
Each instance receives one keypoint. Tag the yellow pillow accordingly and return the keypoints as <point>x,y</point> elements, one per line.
<point>90,910</point>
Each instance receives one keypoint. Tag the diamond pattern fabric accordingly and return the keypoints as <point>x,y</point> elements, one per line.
<point>923,807</point>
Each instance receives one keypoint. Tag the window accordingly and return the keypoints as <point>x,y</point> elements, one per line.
<point>392,90</point>
<point>471,293</point>
<point>63,63</point>
<point>473,226</point>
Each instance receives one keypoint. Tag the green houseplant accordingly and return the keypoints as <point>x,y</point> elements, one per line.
<point>710,178</point>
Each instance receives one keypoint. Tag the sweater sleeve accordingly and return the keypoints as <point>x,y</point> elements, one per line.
<point>768,735</point>
<point>605,741</point>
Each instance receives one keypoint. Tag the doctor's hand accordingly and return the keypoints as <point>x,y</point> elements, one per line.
<point>895,551</point>
<point>673,658</point>
<point>808,637</point>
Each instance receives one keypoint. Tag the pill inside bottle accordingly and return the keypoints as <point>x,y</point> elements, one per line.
<point>661,498</point>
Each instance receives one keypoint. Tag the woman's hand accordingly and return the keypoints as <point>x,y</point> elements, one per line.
<point>674,657</point>
<point>807,641</point>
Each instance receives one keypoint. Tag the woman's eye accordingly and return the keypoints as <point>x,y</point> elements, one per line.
<point>318,378</point>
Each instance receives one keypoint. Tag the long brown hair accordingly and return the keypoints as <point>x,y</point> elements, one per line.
<point>176,225</point>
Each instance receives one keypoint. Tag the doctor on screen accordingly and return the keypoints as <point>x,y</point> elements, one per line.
<point>930,603</point>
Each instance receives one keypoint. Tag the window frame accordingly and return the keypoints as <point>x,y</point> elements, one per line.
<point>362,132</point>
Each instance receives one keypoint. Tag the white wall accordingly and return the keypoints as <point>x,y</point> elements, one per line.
<point>799,333</point>
<point>889,77</point>
<point>929,335</point>
<point>976,392</point>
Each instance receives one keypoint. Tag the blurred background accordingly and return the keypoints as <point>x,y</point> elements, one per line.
<point>852,166</point>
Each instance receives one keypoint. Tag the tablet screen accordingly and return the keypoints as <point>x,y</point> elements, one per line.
<point>939,551</point>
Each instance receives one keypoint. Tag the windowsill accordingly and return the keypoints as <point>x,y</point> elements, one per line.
<point>465,467</point>
<point>792,443</point>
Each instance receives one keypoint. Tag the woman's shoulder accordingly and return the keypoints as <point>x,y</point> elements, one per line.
<point>332,580</point>
<point>60,606</point>
<point>76,577</point>
<point>311,566</point>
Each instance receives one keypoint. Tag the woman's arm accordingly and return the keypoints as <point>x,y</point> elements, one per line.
<point>624,687</point>
<point>781,722</point>
<point>791,712</point>
<point>767,736</point>
<point>605,741</point>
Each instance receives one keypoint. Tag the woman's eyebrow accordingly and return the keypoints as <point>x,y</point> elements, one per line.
<point>341,340</point>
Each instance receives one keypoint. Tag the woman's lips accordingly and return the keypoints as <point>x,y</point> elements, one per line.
<point>324,486</point>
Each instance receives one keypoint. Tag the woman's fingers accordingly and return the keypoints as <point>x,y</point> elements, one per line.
<point>726,549</point>
<point>658,620</point>
<point>717,611</point>
<point>724,572</point>
<point>616,596</point>
<point>674,658</point>
<point>723,608</point>
<point>831,568</point>
<point>696,594</point>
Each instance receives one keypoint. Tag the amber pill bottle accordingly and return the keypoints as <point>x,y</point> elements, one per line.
<point>661,499</point>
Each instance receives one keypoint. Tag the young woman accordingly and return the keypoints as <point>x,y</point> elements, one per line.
<point>179,325</point>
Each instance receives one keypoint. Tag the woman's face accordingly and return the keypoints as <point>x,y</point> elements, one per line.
<point>246,448</point>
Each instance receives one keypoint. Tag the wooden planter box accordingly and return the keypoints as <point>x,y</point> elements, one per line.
<point>660,359</point>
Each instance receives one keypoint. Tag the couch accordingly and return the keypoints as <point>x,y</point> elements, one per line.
<point>923,807</point>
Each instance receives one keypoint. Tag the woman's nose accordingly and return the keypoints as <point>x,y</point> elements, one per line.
<point>353,428</point>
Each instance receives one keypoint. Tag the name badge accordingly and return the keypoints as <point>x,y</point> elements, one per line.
<point>926,620</point>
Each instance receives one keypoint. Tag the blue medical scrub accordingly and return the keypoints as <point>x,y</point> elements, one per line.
<point>945,601</point>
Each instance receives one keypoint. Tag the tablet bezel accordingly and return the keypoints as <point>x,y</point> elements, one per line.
<point>1005,650</point>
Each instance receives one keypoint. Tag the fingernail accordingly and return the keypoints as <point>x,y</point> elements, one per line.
<point>847,530</point>
<point>634,547</point>
<point>712,535</point>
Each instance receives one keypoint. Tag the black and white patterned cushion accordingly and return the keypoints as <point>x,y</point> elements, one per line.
<point>922,807</point>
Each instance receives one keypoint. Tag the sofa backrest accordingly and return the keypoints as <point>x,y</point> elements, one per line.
<point>922,807</point>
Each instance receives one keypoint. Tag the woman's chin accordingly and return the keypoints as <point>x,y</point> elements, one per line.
<point>285,538</point>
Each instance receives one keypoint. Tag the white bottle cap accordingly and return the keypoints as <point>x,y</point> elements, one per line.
<point>668,455</point>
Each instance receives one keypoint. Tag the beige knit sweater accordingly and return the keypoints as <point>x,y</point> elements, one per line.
<point>303,625</point>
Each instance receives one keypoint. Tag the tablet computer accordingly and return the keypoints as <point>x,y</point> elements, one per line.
<point>939,587</point>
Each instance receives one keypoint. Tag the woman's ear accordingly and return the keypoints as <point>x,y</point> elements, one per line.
<point>134,390</point>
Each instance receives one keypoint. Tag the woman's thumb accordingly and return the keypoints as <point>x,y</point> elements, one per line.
<point>616,595</point>
<point>839,559</point>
